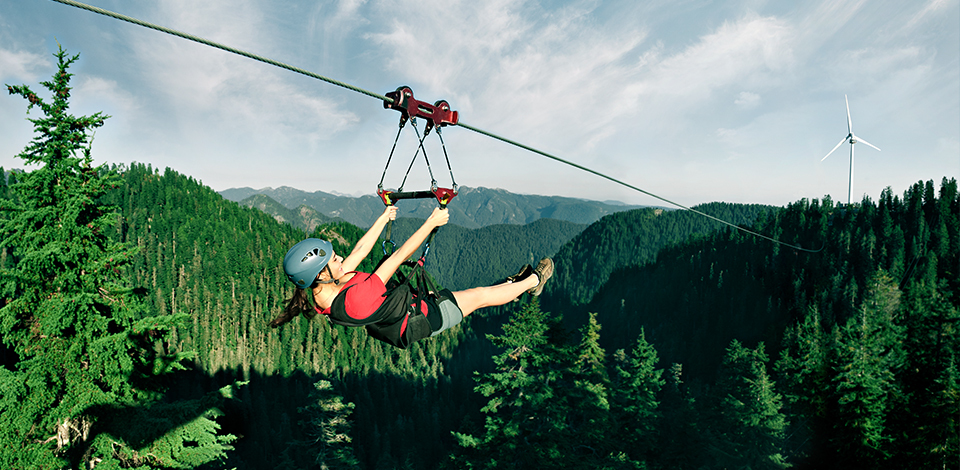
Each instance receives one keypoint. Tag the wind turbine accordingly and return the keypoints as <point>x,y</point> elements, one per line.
<point>853,139</point>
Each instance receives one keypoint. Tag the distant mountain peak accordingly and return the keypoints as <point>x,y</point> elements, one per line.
<point>474,207</point>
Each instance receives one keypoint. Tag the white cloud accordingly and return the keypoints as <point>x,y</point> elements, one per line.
<point>437,43</point>
<point>331,31</point>
<point>932,8</point>
<point>878,61</point>
<point>107,93</point>
<point>23,66</point>
<point>740,52</point>
<point>747,100</point>
<point>209,90</point>
<point>516,64</point>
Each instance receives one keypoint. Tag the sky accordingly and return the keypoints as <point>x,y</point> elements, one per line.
<point>694,101</point>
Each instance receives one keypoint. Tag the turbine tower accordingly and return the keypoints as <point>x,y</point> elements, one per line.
<point>853,139</point>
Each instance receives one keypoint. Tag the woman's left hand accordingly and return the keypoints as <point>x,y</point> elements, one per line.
<point>390,212</point>
<point>438,217</point>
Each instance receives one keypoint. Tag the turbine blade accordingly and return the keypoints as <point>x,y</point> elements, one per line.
<point>834,149</point>
<point>861,141</point>
<point>849,121</point>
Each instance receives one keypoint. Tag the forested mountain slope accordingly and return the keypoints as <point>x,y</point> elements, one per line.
<point>700,294</point>
<point>846,357</point>
<point>215,261</point>
<point>460,258</point>
<point>472,207</point>
<point>631,238</point>
<point>221,263</point>
<point>303,217</point>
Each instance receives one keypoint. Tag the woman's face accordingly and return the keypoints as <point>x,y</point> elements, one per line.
<point>336,268</point>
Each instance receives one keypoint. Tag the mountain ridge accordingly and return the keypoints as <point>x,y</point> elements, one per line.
<point>473,207</point>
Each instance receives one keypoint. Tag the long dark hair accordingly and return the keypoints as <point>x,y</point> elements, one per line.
<point>297,304</point>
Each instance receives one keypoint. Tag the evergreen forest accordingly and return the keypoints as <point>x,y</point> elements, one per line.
<point>134,305</point>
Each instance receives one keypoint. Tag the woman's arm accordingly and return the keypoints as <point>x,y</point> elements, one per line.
<point>437,218</point>
<point>368,240</point>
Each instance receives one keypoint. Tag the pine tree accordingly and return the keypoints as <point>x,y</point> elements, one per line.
<point>635,398</point>
<point>591,386</point>
<point>868,353</point>
<point>86,344</point>
<point>326,427</point>
<point>926,414</point>
<point>681,444</point>
<point>588,417</point>
<point>748,423</point>
<point>525,413</point>
<point>804,373</point>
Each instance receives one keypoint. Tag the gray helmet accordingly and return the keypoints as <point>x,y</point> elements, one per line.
<point>306,259</point>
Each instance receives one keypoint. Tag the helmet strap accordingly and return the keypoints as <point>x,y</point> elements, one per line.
<point>331,281</point>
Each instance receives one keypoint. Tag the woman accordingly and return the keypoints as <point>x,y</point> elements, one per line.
<point>329,284</point>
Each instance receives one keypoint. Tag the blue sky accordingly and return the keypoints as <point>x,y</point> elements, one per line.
<point>696,101</point>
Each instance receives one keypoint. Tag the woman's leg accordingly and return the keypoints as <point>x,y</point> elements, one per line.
<point>473,299</point>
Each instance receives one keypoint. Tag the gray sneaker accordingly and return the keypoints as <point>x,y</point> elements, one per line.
<point>544,271</point>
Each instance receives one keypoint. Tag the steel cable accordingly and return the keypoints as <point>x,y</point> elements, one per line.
<point>378,96</point>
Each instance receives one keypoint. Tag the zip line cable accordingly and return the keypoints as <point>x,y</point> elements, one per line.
<point>610,178</point>
<point>193,38</point>
<point>378,96</point>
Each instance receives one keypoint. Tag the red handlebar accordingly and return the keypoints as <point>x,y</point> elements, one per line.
<point>443,196</point>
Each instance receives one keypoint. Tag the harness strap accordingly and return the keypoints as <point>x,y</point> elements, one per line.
<point>400,320</point>
<point>403,121</point>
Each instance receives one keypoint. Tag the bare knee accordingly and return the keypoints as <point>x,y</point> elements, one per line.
<point>470,300</point>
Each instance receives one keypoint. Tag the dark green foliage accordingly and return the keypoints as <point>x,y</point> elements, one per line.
<point>629,239</point>
<point>924,415</point>
<point>862,383</point>
<point>590,418</point>
<point>805,378</point>
<point>324,441</point>
<point>635,395</point>
<point>854,375</point>
<point>87,344</point>
<point>863,375</point>
<point>522,409</point>
<point>748,427</point>
<point>548,402</point>
<point>681,442</point>
<point>462,259</point>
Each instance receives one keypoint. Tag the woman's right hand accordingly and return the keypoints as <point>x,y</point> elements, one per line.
<point>390,212</point>
<point>438,218</point>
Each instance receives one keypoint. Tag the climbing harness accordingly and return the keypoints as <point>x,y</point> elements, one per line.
<point>400,319</point>
<point>416,110</point>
